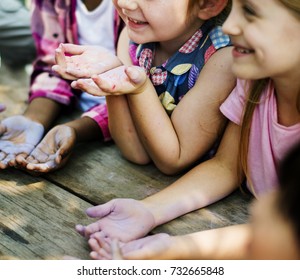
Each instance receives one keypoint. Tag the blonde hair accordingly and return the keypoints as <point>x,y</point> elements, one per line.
<point>256,89</point>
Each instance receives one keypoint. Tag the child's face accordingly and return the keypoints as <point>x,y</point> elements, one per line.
<point>157,20</point>
<point>272,235</point>
<point>266,36</point>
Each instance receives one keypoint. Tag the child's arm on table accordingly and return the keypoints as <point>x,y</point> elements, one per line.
<point>229,242</point>
<point>128,219</point>
<point>168,141</point>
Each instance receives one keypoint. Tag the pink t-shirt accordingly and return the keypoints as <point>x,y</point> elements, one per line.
<point>269,141</point>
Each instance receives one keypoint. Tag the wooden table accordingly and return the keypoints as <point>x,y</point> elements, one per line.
<point>38,214</point>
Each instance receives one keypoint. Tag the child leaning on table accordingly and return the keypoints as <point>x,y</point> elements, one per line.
<point>165,108</point>
<point>273,231</point>
<point>93,22</point>
<point>264,114</point>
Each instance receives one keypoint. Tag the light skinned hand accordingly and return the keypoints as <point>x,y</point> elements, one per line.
<point>118,81</point>
<point>18,135</point>
<point>152,247</point>
<point>77,61</point>
<point>123,219</point>
<point>52,152</point>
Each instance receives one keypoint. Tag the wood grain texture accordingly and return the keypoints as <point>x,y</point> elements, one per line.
<point>38,214</point>
<point>37,219</point>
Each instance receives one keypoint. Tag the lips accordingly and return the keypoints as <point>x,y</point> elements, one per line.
<point>240,49</point>
<point>243,50</point>
<point>136,21</point>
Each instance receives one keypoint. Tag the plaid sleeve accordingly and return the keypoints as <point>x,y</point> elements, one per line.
<point>99,114</point>
<point>218,38</point>
<point>48,32</point>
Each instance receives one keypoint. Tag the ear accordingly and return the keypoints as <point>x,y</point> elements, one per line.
<point>210,8</point>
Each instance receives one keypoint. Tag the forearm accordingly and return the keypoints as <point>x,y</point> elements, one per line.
<point>223,243</point>
<point>175,143</point>
<point>123,130</point>
<point>154,127</point>
<point>43,111</point>
<point>86,129</point>
<point>202,186</point>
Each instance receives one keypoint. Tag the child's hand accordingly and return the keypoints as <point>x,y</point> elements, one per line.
<point>120,80</point>
<point>105,249</point>
<point>75,61</point>
<point>153,247</point>
<point>124,219</point>
<point>18,135</point>
<point>52,152</point>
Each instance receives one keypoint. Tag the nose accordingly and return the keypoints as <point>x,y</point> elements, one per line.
<point>231,26</point>
<point>128,4</point>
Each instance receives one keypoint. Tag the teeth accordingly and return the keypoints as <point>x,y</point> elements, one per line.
<point>241,50</point>
<point>136,21</point>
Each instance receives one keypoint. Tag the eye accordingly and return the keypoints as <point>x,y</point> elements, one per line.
<point>248,11</point>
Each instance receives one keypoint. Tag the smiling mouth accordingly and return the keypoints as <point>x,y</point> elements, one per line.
<point>136,21</point>
<point>243,50</point>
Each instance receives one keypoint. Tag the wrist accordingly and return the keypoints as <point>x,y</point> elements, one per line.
<point>43,111</point>
<point>85,129</point>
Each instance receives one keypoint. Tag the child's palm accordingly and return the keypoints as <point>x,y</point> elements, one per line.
<point>118,81</point>
<point>52,152</point>
<point>83,61</point>
<point>124,219</point>
<point>18,135</point>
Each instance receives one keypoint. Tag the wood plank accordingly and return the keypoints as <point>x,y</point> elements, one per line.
<point>13,90</point>
<point>98,173</point>
<point>37,219</point>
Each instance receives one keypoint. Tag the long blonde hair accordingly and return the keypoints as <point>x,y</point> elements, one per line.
<point>256,89</point>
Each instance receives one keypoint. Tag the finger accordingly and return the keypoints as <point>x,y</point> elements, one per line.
<point>100,211</point>
<point>92,228</point>
<point>135,74</point>
<point>42,167</point>
<point>96,256</point>
<point>80,229</point>
<point>102,240</point>
<point>94,244</point>
<point>62,72</point>
<point>116,251</point>
<point>21,159</point>
<point>72,49</point>
<point>4,162</point>
<point>100,255</point>
<point>60,57</point>
<point>88,86</point>
<point>105,85</point>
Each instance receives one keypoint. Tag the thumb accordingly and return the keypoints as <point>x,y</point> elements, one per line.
<point>100,211</point>
<point>136,74</point>
<point>72,49</point>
